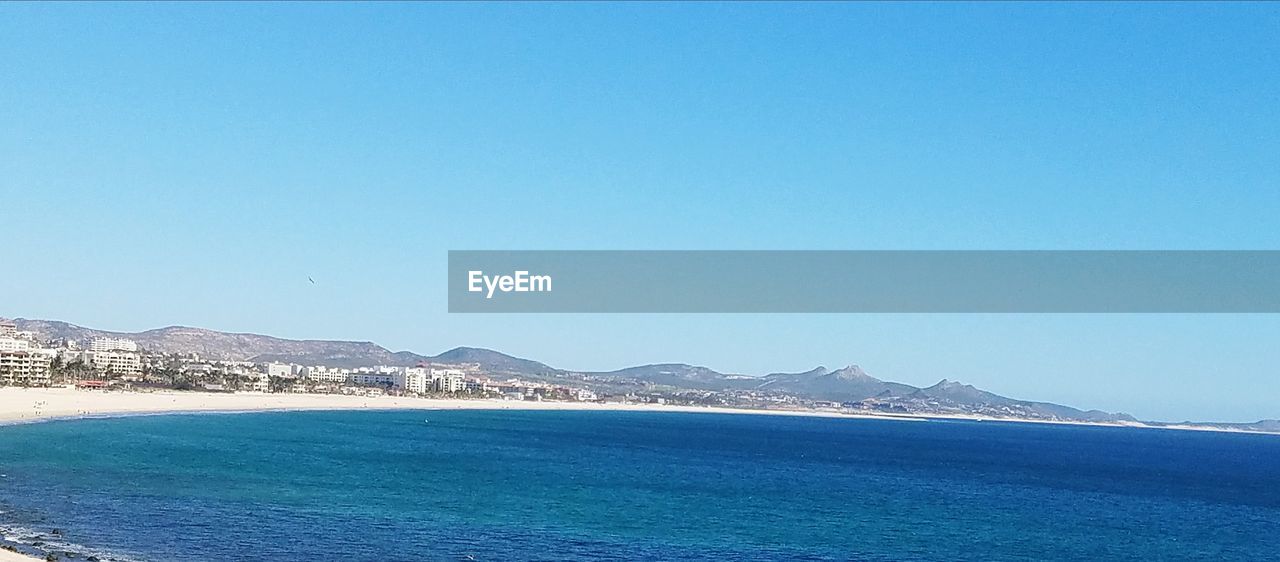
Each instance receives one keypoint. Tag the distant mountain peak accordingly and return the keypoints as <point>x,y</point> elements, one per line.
<point>851,372</point>
<point>462,349</point>
<point>495,361</point>
<point>814,372</point>
<point>946,384</point>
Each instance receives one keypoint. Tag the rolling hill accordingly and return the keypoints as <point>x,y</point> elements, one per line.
<point>848,384</point>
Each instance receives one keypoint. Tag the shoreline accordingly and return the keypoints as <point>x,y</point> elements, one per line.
<point>7,555</point>
<point>15,556</point>
<point>34,405</point>
<point>20,406</point>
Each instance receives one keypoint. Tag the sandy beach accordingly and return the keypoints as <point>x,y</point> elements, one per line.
<point>22,405</point>
<point>25,405</point>
<point>8,556</point>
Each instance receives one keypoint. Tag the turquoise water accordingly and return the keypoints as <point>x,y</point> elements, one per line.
<point>502,485</point>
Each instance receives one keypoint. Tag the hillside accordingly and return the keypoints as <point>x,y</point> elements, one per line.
<point>493,361</point>
<point>227,346</point>
<point>849,384</point>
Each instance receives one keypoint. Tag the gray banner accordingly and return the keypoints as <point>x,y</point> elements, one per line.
<point>864,281</point>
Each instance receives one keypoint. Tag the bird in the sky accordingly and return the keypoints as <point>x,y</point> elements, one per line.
<point>313,281</point>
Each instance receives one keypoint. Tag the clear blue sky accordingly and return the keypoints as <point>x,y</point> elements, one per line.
<point>193,164</point>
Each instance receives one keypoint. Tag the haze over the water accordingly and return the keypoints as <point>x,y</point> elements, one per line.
<point>301,171</point>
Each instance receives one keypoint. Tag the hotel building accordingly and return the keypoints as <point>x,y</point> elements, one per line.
<point>21,365</point>
<point>113,344</point>
<point>112,362</point>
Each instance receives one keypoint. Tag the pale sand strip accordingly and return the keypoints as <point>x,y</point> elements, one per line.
<point>19,405</point>
<point>37,404</point>
<point>7,556</point>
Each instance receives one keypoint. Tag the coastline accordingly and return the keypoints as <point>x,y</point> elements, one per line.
<point>12,556</point>
<point>30,405</point>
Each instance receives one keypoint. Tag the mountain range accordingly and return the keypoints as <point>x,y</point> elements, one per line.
<point>227,346</point>
<point>848,384</point>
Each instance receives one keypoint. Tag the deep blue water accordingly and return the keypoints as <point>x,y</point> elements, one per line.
<point>503,485</point>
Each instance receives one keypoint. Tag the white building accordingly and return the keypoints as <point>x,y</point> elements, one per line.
<point>260,383</point>
<point>279,370</point>
<point>324,374</point>
<point>372,378</point>
<point>425,378</point>
<point>113,362</point>
<point>9,343</point>
<point>23,367</point>
<point>415,379</point>
<point>449,380</point>
<point>113,344</point>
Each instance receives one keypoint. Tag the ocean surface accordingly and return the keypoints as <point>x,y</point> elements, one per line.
<point>547,485</point>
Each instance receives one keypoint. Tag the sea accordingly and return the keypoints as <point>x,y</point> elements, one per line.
<point>600,485</point>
